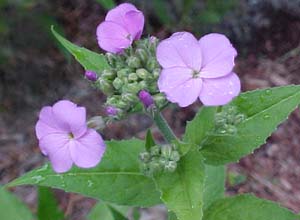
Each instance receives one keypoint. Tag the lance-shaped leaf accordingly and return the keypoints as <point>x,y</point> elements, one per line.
<point>182,191</point>
<point>108,211</point>
<point>214,187</point>
<point>117,179</point>
<point>88,59</point>
<point>265,109</point>
<point>247,207</point>
<point>47,205</point>
<point>11,208</point>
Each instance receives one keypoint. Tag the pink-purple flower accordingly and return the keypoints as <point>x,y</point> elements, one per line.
<point>123,24</point>
<point>197,69</point>
<point>65,138</point>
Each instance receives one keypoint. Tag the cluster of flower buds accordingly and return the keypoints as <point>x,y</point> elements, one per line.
<point>131,72</point>
<point>159,159</point>
<point>227,120</point>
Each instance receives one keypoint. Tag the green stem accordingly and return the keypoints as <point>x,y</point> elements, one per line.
<point>163,126</point>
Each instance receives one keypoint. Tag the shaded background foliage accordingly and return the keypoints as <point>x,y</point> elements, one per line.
<point>36,71</point>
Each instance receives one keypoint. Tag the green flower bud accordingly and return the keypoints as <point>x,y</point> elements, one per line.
<point>122,105</point>
<point>105,86</point>
<point>122,73</point>
<point>129,97</point>
<point>171,166</point>
<point>166,151</point>
<point>133,62</point>
<point>117,83</point>
<point>155,166</point>
<point>133,87</point>
<point>163,162</point>
<point>132,77</point>
<point>239,118</point>
<point>159,99</point>
<point>113,100</point>
<point>175,156</point>
<point>142,54</point>
<point>155,150</point>
<point>111,59</point>
<point>145,157</point>
<point>151,64</point>
<point>108,74</point>
<point>156,73</point>
<point>143,85</point>
<point>231,129</point>
<point>143,73</point>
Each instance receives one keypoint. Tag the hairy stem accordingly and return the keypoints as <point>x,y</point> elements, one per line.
<point>163,126</point>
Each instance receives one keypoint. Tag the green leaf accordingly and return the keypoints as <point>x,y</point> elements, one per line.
<point>88,59</point>
<point>182,191</point>
<point>214,187</point>
<point>11,208</point>
<point>172,216</point>
<point>265,110</point>
<point>247,207</point>
<point>107,4</point>
<point>108,211</point>
<point>202,124</point>
<point>47,205</point>
<point>149,140</point>
<point>117,179</point>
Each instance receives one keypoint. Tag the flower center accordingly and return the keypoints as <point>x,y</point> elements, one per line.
<point>71,136</point>
<point>195,74</point>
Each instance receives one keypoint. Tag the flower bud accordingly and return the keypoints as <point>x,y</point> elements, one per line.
<point>155,166</point>
<point>129,97</point>
<point>171,166</point>
<point>142,73</point>
<point>166,151</point>
<point>133,87</point>
<point>142,54</point>
<point>108,74</point>
<point>105,86</point>
<point>151,64</point>
<point>159,100</point>
<point>145,157</point>
<point>175,156</point>
<point>132,77</point>
<point>122,104</point>
<point>122,73</point>
<point>96,123</point>
<point>113,100</point>
<point>111,59</point>
<point>156,73</point>
<point>117,83</point>
<point>146,98</point>
<point>91,75</point>
<point>111,111</point>
<point>133,62</point>
<point>239,118</point>
<point>155,150</point>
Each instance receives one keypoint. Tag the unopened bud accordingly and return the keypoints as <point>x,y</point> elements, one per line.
<point>142,54</point>
<point>117,83</point>
<point>129,97</point>
<point>159,100</point>
<point>155,150</point>
<point>111,111</point>
<point>175,156</point>
<point>166,151</point>
<point>171,166</point>
<point>105,86</point>
<point>96,123</point>
<point>156,73</point>
<point>91,75</point>
<point>133,62</point>
<point>108,74</point>
<point>132,77</point>
<point>239,118</point>
<point>142,73</point>
<point>151,64</point>
<point>123,73</point>
<point>146,98</point>
<point>145,157</point>
<point>111,58</point>
<point>133,87</point>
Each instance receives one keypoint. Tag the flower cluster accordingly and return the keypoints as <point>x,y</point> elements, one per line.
<point>142,73</point>
<point>159,159</point>
<point>227,120</point>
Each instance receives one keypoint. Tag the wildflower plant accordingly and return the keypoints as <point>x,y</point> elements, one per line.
<point>144,75</point>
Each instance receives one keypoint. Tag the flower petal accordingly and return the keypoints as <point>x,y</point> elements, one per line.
<point>112,37</point>
<point>179,85</point>
<point>217,55</point>
<point>87,151</point>
<point>71,117</point>
<point>180,50</point>
<point>117,14</point>
<point>134,23</point>
<point>170,78</point>
<point>220,91</point>
<point>42,129</point>
<point>51,143</point>
<point>61,160</point>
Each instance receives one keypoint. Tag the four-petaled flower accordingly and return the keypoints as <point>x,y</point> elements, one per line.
<point>65,138</point>
<point>123,24</point>
<point>197,69</point>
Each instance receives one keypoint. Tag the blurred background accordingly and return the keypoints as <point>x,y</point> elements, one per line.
<point>36,71</point>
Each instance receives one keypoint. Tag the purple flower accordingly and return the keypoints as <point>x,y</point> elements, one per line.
<point>65,138</point>
<point>123,24</point>
<point>91,75</point>
<point>146,98</point>
<point>197,69</point>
